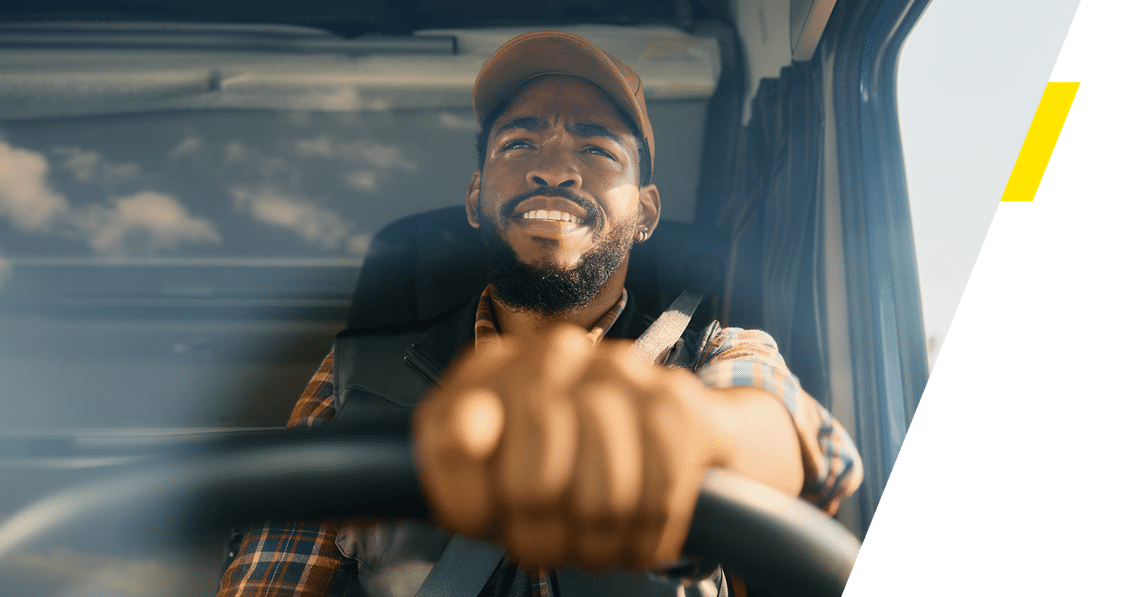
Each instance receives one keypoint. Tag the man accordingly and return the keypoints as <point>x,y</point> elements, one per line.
<point>563,447</point>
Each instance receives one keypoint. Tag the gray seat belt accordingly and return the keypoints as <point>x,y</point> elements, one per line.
<point>665,332</point>
<point>467,564</point>
<point>462,569</point>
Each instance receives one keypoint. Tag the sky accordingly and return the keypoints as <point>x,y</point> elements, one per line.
<point>963,115</point>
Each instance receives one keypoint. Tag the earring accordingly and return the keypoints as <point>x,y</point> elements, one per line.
<point>642,235</point>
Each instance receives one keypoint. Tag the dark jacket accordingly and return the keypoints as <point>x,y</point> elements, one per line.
<point>379,376</point>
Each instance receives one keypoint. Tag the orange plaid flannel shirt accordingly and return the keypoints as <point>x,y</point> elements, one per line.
<point>302,559</point>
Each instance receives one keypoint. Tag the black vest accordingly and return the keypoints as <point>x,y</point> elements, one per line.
<point>380,375</point>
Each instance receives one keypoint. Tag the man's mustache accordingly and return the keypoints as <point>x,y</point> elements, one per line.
<point>592,210</point>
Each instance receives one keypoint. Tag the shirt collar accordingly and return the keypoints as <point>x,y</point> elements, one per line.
<point>487,327</point>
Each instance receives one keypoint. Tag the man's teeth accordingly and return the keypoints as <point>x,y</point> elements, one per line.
<point>544,214</point>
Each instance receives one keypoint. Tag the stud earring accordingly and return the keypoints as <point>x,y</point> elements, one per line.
<point>642,235</point>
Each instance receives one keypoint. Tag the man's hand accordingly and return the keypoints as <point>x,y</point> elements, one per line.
<point>568,452</point>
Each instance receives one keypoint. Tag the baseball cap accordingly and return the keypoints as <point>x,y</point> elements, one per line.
<point>559,53</point>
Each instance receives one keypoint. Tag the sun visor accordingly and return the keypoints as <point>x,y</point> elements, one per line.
<point>86,69</point>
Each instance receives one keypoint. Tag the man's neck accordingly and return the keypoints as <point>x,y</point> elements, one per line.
<point>525,323</point>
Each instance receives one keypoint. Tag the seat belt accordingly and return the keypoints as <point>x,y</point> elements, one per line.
<point>665,332</point>
<point>466,564</point>
<point>462,569</point>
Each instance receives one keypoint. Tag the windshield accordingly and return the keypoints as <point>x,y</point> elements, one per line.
<point>183,214</point>
<point>182,208</point>
<point>235,185</point>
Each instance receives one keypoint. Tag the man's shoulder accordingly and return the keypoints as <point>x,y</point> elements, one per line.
<point>427,345</point>
<point>380,373</point>
<point>448,320</point>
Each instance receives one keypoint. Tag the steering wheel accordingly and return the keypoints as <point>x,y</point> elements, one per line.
<point>771,539</point>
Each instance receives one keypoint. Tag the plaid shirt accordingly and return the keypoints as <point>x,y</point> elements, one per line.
<point>280,559</point>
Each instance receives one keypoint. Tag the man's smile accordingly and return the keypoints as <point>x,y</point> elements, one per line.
<point>553,217</point>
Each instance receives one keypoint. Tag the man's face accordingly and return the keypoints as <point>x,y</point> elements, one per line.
<point>559,188</point>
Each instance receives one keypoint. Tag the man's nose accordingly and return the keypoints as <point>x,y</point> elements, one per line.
<point>543,182</point>
<point>556,169</point>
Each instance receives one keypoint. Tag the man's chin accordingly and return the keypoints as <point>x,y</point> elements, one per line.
<point>540,289</point>
<point>551,267</point>
<point>543,287</point>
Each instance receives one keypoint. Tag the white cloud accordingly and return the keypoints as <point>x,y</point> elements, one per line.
<point>315,225</point>
<point>381,156</point>
<point>358,243</point>
<point>361,180</point>
<point>235,152</point>
<point>142,224</point>
<point>26,195</point>
<point>81,163</point>
<point>375,155</point>
<point>454,122</point>
<point>89,166</point>
<point>246,161</point>
<point>188,146</point>
<point>5,268</point>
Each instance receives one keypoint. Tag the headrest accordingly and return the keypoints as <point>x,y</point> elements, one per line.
<point>422,265</point>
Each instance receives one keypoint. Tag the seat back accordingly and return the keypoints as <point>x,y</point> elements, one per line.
<point>422,265</point>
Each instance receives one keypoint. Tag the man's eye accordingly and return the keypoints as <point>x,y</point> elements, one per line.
<point>598,151</point>
<point>515,144</point>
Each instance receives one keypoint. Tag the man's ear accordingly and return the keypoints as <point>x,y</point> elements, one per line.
<point>473,199</point>
<point>650,200</point>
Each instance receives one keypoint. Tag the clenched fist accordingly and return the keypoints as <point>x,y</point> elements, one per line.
<point>567,451</point>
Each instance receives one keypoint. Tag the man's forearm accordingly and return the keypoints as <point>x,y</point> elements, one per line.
<point>760,440</point>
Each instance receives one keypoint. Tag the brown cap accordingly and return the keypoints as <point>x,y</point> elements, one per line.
<point>559,53</point>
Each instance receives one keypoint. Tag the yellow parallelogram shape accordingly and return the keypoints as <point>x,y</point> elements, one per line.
<point>1039,141</point>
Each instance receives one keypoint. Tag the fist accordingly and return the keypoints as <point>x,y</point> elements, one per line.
<point>566,451</point>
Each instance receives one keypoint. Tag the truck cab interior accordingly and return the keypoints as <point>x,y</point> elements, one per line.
<point>188,193</point>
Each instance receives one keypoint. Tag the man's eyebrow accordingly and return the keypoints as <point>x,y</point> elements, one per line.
<point>528,123</point>
<point>584,129</point>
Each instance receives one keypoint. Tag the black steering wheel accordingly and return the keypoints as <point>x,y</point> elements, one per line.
<point>771,539</point>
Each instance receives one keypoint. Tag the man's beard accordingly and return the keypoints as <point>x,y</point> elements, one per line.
<point>546,288</point>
